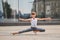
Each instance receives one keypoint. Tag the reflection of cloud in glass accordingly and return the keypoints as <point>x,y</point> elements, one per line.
<point>4,0</point>
<point>24,5</point>
<point>13,4</point>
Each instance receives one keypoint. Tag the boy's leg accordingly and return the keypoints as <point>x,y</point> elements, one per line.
<point>27,30</point>
<point>40,30</point>
<point>34,30</point>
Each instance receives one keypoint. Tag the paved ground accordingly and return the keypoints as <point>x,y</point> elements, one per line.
<point>52,33</point>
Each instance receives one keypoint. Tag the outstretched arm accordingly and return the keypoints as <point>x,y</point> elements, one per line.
<point>44,18</point>
<point>24,19</point>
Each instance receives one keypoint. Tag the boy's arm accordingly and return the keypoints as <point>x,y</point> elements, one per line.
<point>44,18</point>
<point>24,19</point>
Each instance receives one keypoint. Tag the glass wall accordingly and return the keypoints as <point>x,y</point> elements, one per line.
<point>16,8</point>
<point>12,10</point>
<point>44,8</point>
<point>47,8</point>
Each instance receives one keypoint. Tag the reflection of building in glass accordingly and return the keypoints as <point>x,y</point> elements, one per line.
<point>51,7</point>
<point>12,7</point>
<point>13,14</point>
<point>13,4</point>
<point>1,9</point>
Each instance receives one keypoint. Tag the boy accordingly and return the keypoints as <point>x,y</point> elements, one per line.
<point>33,20</point>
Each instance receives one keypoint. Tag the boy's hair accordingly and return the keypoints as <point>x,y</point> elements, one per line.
<point>33,13</point>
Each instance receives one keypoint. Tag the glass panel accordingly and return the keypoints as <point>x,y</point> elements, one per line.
<point>12,10</point>
<point>16,8</point>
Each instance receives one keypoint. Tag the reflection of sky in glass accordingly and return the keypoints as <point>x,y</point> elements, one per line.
<point>1,9</point>
<point>14,4</point>
<point>24,5</point>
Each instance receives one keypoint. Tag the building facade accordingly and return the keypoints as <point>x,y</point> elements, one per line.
<point>50,8</point>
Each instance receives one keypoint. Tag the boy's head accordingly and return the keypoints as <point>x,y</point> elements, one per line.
<point>33,14</point>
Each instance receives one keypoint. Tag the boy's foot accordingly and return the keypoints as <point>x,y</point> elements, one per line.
<point>14,33</point>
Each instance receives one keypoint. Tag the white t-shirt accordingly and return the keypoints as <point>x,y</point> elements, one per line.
<point>33,22</point>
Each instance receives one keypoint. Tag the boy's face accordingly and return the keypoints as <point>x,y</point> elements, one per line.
<point>33,16</point>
